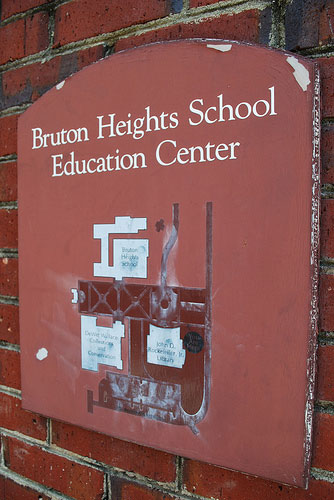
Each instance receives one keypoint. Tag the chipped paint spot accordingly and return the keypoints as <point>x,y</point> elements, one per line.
<point>5,260</point>
<point>222,48</point>
<point>60,85</point>
<point>301,74</point>
<point>75,293</point>
<point>42,354</point>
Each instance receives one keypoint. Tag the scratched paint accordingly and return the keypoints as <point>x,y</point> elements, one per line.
<point>315,242</point>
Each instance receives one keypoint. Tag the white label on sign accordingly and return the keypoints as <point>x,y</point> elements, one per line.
<point>164,347</point>
<point>122,225</point>
<point>130,258</point>
<point>100,344</point>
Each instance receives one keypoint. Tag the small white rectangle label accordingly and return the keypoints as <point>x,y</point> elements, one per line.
<point>100,344</point>
<point>130,258</point>
<point>164,347</point>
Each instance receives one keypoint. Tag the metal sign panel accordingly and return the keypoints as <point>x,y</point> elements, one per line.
<point>168,229</point>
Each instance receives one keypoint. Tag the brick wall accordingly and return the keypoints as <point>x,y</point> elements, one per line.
<point>41,43</point>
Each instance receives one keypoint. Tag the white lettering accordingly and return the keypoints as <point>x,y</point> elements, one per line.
<point>57,165</point>
<point>222,108</point>
<point>229,112</point>
<point>196,111</point>
<point>93,165</point>
<point>166,156</point>
<point>89,170</point>
<point>248,112</point>
<point>157,153</point>
<point>110,125</point>
<point>272,101</point>
<point>57,138</point>
<point>37,135</point>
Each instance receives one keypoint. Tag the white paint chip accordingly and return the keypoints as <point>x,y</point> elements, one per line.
<point>60,85</point>
<point>75,292</point>
<point>221,48</point>
<point>42,354</point>
<point>301,74</point>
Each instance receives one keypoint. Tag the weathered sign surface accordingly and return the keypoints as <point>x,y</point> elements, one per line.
<point>168,230</point>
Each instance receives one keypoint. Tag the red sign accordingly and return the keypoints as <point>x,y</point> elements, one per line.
<point>168,230</point>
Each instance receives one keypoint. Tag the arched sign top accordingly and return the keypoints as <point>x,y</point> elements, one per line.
<point>168,233</point>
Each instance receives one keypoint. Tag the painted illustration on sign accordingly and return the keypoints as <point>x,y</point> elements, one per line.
<point>168,328</point>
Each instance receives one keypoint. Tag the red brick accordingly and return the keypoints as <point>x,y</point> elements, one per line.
<point>14,491</point>
<point>24,37</point>
<point>326,65</point>
<point>157,465</point>
<point>243,26</point>
<point>128,491</point>
<point>81,19</point>
<point>26,84</point>
<point>326,302</point>
<point>222,484</point>
<point>327,227</point>
<point>323,442</point>
<point>326,23</point>
<point>305,23</point>
<point>8,225</point>
<point>56,472</point>
<point>9,277</point>
<point>8,135</point>
<point>8,181</point>
<point>11,7</point>
<point>11,41</point>
<point>88,56</point>
<point>13,417</point>
<point>44,75</point>
<point>36,33</point>
<point>14,82</point>
<point>325,373</point>
<point>10,373</point>
<point>9,323</point>
<point>327,154</point>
